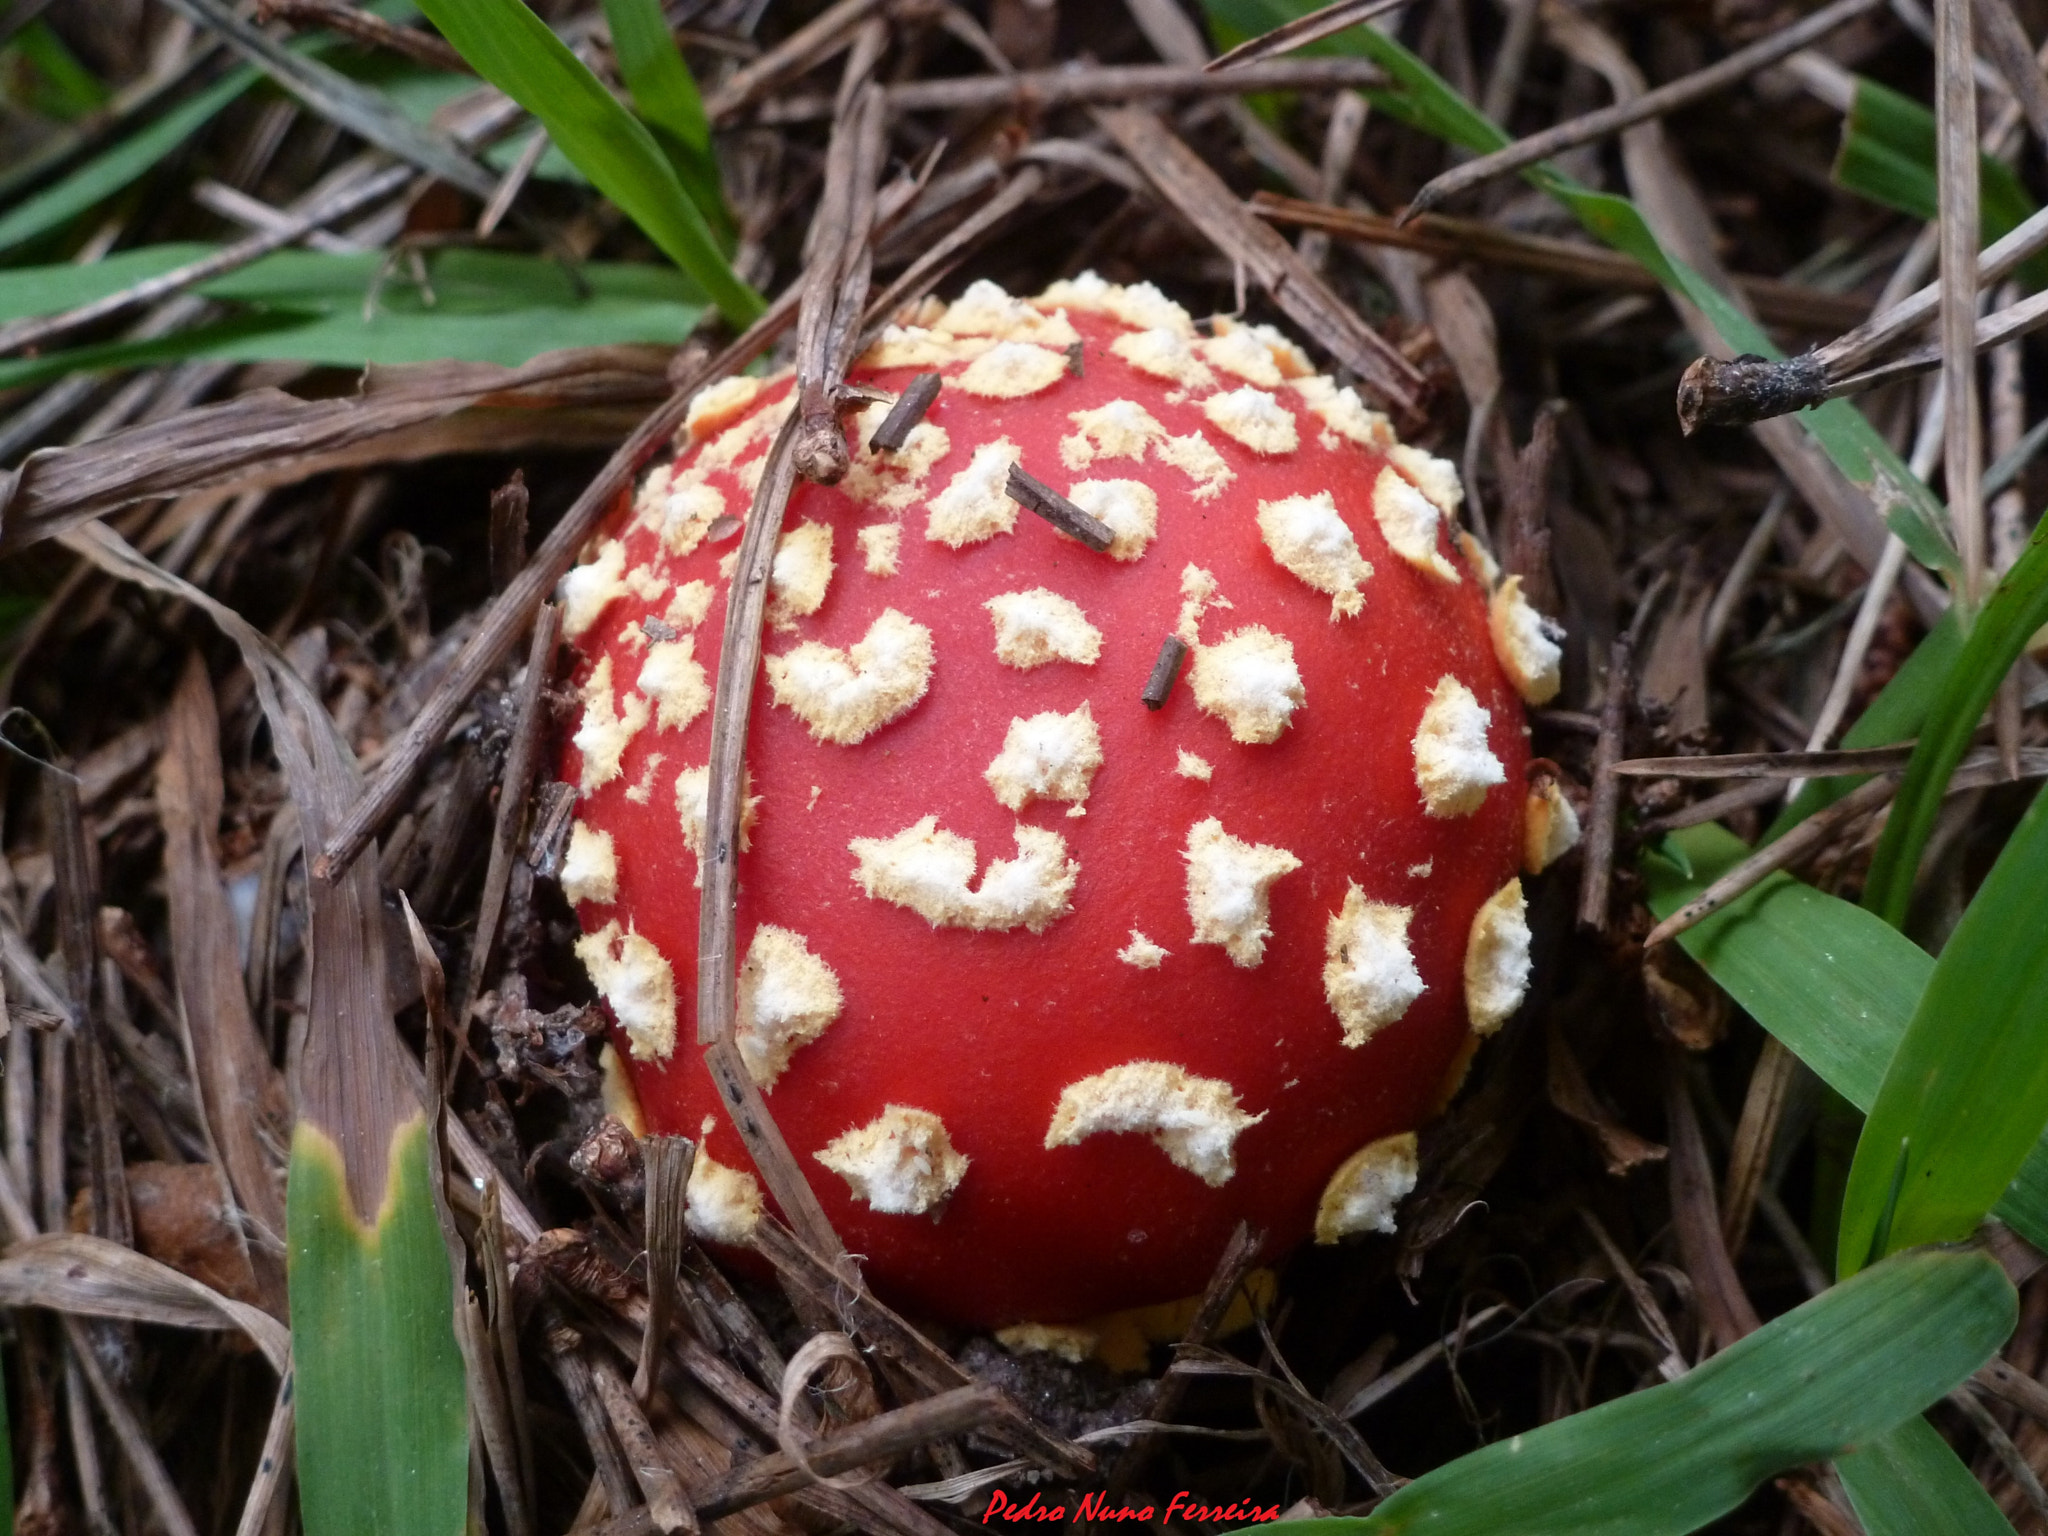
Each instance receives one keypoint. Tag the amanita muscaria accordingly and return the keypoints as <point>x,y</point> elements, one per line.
<point>1047,989</point>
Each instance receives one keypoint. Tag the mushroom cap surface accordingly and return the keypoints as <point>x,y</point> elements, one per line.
<point>1048,989</point>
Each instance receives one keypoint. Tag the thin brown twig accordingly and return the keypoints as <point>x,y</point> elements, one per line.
<point>668,1507</point>
<point>1717,393</point>
<point>669,1160</point>
<point>1673,1365</point>
<point>1683,92</point>
<point>2000,1444</point>
<point>1957,163</point>
<point>2004,42</point>
<point>739,658</point>
<point>1232,1265</point>
<point>804,49</point>
<point>1456,239</point>
<point>1770,765</point>
<point>1756,1132</point>
<point>1201,196</point>
<point>1809,835</point>
<point>366,27</point>
<point>528,725</point>
<point>894,1339</point>
<point>1042,90</point>
<point>1597,866</point>
<point>813,444</point>
<point>1301,31</point>
<point>1729,1314</point>
<point>1713,808</point>
<point>506,618</point>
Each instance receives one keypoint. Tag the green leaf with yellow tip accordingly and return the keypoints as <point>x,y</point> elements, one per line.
<point>383,1422</point>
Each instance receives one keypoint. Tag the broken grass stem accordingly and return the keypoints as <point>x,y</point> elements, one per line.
<point>1034,495</point>
<point>1172,652</point>
<point>906,413</point>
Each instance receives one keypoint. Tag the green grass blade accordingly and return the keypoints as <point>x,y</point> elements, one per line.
<point>1887,155</point>
<point>1895,715</point>
<point>1421,97</point>
<point>383,1427</point>
<point>1909,1483</point>
<point>1830,980</point>
<point>489,307</point>
<point>667,101</point>
<point>64,88</point>
<point>45,290</point>
<point>2017,608</point>
<point>1835,984</point>
<point>655,73</point>
<point>1966,1093</point>
<point>1833,1374</point>
<point>513,49</point>
<point>329,94</point>
<point>112,169</point>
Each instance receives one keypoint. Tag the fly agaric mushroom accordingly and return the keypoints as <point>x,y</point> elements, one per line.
<point>1048,988</point>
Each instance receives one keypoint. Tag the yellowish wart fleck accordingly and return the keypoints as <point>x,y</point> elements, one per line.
<point>1524,643</point>
<point>1038,626</point>
<point>1454,767</point>
<point>1408,519</point>
<point>590,867</point>
<point>1369,976</point>
<point>881,548</point>
<point>1249,681</point>
<point>1050,756</point>
<point>634,979</point>
<point>1143,953</point>
<point>1310,538</point>
<point>1194,1120</point>
<point>608,727</point>
<point>931,872</point>
<point>1255,418</point>
<point>1367,1187</point>
<point>843,696</point>
<point>1229,890</point>
<point>1011,370</point>
<point>901,1163</point>
<point>1128,508</point>
<point>674,679</point>
<point>975,506</point>
<point>788,997</point>
<point>1497,960</point>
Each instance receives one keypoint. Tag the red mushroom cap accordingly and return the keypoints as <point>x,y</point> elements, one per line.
<point>1049,989</point>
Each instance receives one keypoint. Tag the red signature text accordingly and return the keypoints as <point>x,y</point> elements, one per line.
<point>1096,1506</point>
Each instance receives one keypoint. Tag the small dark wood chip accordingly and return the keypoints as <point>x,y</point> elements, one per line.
<point>658,629</point>
<point>907,412</point>
<point>1172,652</point>
<point>1074,365</point>
<point>721,529</point>
<point>1036,496</point>
<point>554,812</point>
